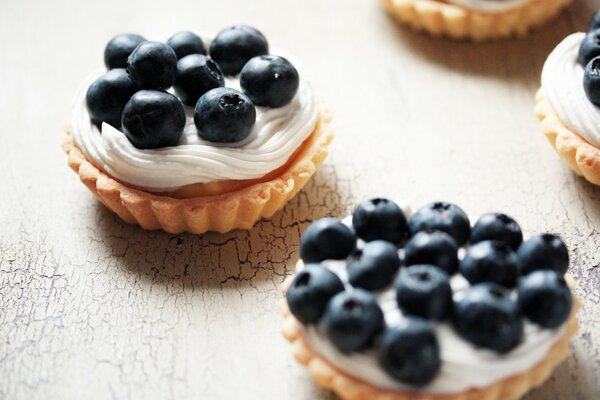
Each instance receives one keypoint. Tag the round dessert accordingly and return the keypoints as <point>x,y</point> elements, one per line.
<point>429,317</point>
<point>173,138</point>
<point>478,20</point>
<point>568,102</point>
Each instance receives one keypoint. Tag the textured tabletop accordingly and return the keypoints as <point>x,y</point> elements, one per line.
<point>93,308</point>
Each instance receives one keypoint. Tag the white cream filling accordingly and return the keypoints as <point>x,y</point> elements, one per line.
<point>562,83</point>
<point>488,5</point>
<point>277,133</point>
<point>463,366</point>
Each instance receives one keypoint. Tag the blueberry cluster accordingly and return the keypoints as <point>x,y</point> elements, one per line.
<point>133,93</point>
<point>510,279</point>
<point>589,59</point>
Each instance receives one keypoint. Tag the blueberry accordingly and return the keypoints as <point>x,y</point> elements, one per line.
<point>589,48</point>
<point>486,316</point>
<point>436,248</point>
<point>424,291</point>
<point>595,22</point>
<point>119,48</point>
<point>186,43</point>
<point>269,81</point>
<point>224,115</point>
<point>352,320</point>
<point>310,292</point>
<point>153,119</point>
<point>379,219</point>
<point>543,252</point>
<point>496,226</point>
<point>441,216</point>
<point>234,46</point>
<point>545,298</point>
<point>490,261</point>
<point>326,239</point>
<point>409,351</point>
<point>153,65</point>
<point>591,81</point>
<point>374,266</point>
<point>196,75</point>
<point>106,97</point>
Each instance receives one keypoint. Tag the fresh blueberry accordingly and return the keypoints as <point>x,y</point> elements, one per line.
<point>590,47</point>
<point>310,292</point>
<point>352,320</point>
<point>436,248</point>
<point>186,43</point>
<point>153,65</point>
<point>424,291</point>
<point>106,97</point>
<point>326,239</point>
<point>496,226</point>
<point>591,81</point>
<point>595,22</point>
<point>196,75</point>
<point>269,81</point>
<point>224,115</point>
<point>441,216</point>
<point>379,219</point>
<point>409,351</point>
<point>234,46</point>
<point>543,252</point>
<point>487,316</point>
<point>490,261</point>
<point>119,48</point>
<point>374,266</point>
<point>153,119</point>
<point>545,298</point>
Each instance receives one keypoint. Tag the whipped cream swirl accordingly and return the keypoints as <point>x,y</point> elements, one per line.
<point>276,135</point>
<point>490,6</point>
<point>562,83</point>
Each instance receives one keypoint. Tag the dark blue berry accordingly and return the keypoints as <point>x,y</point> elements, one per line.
<point>186,43</point>
<point>234,46</point>
<point>153,119</point>
<point>310,292</point>
<point>153,65</point>
<point>436,248</point>
<point>224,115</point>
<point>106,97</point>
<point>196,75</point>
<point>589,48</point>
<point>409,351</point>
<point>379,219</point>
<point>119,48</point>
<point>595,22</point>
<point>497,226</point>
<point>545,251</point>
<point>591,81</point>
<point>424,291</point>
<point>374,266</point>
<point>441,216</point>
<point>326,239</point>
<point>487,316</point>
<point>269,81</point>
<point>490,261</point>
<point>352,320</point>
<point>545,298</point>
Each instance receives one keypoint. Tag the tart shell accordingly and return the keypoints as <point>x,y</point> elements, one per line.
<point>582,157</point>
<point>443,19</point>
<point>239,209</point>
<point>349,387</point>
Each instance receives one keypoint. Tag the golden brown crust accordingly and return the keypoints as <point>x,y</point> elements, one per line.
<point>576,152</point>
<point>240,209</point>
<point>350,388</point>
<point>443,19</point>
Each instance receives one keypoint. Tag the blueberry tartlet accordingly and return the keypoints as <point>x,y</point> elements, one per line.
<point>196,133</point>
<point>478,20</point>
<point>389,304</point>
<point>568,102</point>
